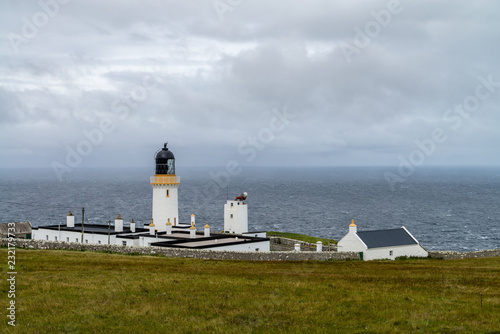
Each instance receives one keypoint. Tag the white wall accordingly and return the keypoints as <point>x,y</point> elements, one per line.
<point>256,234</point>
<point>263,246</point>
<point>165,207</point>
<point>74,236</point>
<point>239,221</point>
<point>385,252</point>
<point>351,243</point>
<point>144,241</point>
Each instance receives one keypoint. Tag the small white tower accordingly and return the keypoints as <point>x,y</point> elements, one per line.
<point>236,215</point>
<point>70,220</point>
<point>165,185</point>
<point>119,223</point>
<point>152,228</point>
<point>192,231</point>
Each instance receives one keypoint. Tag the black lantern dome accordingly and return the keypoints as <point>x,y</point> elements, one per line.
<point>165,161</point>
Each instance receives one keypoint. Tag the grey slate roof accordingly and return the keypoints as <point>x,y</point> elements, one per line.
<point>386,238</point>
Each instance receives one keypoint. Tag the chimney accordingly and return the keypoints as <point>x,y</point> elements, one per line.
<point>353,228</point>
<point>192,231</point>
<point>152,228</point>
<point>132,226</point>
<point>193,219</point>
<point>319,246</point>
<point>169,227</point>
<point>119,224</point>
<point>70,220</point>
<point>207,230</point>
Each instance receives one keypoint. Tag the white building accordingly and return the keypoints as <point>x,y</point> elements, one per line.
<point>165,229</point>
<point>236,215</point>
<point>381,244</point>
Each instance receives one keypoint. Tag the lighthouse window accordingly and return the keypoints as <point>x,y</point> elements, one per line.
<point>231,216</point>
<point>67,239</point>
<point>55,238</point>
<point>47,237</point>
<point>232,204</point>
<point>168,193</point>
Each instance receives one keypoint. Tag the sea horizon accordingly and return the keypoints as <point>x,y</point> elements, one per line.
<point>444,207</point>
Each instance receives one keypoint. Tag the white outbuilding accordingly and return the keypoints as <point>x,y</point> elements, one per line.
<point>381,244</point>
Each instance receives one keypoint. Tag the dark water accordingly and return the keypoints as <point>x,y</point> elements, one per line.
<point>444,208</point>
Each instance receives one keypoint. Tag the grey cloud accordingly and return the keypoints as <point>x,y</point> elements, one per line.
<point>220,80</point>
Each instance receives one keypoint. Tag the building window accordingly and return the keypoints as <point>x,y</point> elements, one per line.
<point>256,249</point>
<point>231,216</point>
<point>390,253</point>
<point>47,237</point>
<point>86,241</point>
<point>99,242</point>
<point>124,243</point>
<point>232,204</point>
<point>67,239</point>
<point>55,238</point>
<point>76,239</point>
<point>168,193</point>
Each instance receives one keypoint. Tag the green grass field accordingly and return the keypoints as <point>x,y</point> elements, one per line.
<point>85,292</point>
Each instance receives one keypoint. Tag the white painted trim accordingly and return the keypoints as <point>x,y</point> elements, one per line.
<point>357,236</point>
<point>404,228</point>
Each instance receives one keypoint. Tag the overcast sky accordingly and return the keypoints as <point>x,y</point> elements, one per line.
<point>87,83</point>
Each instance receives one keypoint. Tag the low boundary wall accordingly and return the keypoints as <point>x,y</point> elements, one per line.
<point>176,252</point>
<point>452,255</point>
<point>227,255</point>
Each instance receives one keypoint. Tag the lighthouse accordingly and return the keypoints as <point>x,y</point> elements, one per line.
<point>165,190</point>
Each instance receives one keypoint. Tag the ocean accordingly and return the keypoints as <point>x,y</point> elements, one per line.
<point>445,208</point>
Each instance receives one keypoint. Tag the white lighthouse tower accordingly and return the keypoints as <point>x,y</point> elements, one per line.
<point>236,215</point>
<point>165,195</point>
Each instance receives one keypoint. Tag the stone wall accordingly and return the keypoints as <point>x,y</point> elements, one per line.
<point>176,252</point>
<point>451,255</point>
<point>227,255</point>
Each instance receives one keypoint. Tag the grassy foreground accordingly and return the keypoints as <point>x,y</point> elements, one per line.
<point>85,292</point>
<point>301,237</point>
